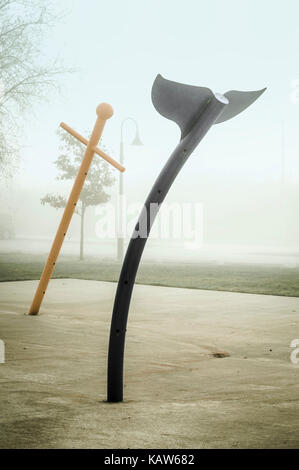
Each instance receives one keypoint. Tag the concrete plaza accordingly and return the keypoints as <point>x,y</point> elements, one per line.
<point>203,369</point>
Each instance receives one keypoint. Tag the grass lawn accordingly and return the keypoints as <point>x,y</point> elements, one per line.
<point>257,279</point>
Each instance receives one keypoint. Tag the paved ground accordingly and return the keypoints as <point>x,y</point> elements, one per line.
<point>178,394</point>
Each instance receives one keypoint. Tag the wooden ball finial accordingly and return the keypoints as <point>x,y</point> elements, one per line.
<point>104,111</point>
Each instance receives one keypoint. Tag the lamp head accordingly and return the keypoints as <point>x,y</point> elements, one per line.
<point>137,140</point>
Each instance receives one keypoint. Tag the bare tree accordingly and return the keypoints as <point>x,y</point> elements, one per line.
<point>24,78</point>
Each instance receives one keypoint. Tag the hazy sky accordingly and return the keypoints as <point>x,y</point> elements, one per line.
<point>120,46</point>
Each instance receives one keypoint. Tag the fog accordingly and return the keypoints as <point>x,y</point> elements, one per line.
<point>244,175</point>
<point>249,222</point>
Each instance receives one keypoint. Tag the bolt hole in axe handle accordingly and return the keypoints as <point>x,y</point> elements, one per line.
<point>104,111</point>
<point>195,110</point>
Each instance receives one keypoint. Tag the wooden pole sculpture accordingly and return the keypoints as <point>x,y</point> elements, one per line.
<point>104,112</point>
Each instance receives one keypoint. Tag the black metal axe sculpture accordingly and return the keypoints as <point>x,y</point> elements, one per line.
<point>195,110</point>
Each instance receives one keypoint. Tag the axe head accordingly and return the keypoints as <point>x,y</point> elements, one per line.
<point>184,104</point>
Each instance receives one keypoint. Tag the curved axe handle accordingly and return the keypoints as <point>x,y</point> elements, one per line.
<point>137,243</point>
<point>195,110</point>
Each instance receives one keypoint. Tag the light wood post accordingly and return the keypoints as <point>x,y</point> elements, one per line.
<point>104,112</point>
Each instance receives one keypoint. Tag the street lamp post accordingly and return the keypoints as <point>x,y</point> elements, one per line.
<point>120,234</point>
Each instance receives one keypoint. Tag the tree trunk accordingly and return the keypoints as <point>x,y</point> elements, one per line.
<point>83,207</point>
